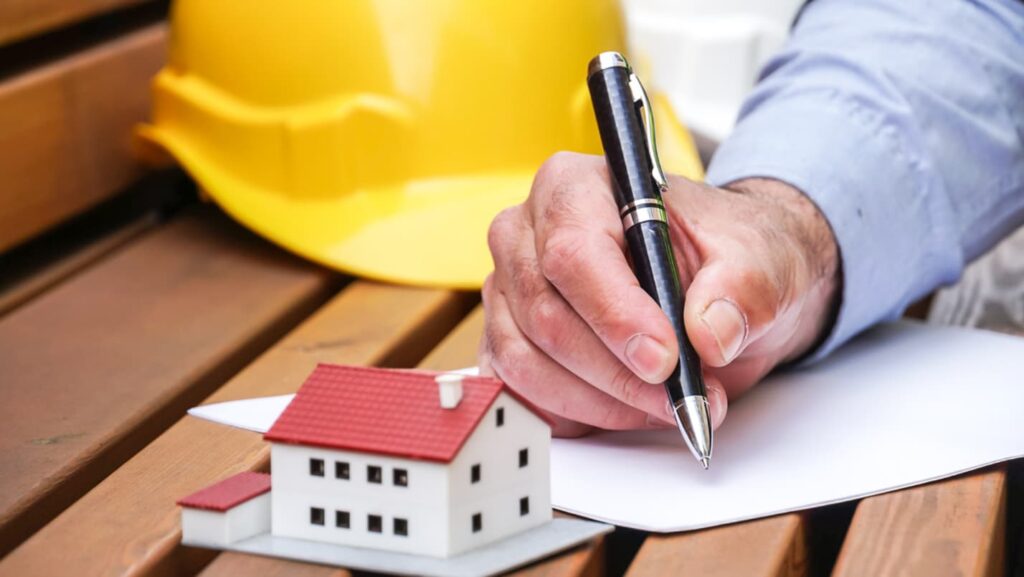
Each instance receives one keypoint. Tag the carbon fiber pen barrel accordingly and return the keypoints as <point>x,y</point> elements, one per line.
<point>628,149</point>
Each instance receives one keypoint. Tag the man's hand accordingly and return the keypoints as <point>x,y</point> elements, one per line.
<point>568,326</point>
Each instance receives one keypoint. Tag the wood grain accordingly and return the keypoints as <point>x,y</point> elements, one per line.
<point>18,293</point>
<point>455,351</point>
<point>99,365</point>
<point>772,547</point>
<point>23,18</point>
<point>129,524</point>
<point>949,528</point>
<point>66,131</point>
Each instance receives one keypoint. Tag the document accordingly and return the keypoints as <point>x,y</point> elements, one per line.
<point>902,405</point>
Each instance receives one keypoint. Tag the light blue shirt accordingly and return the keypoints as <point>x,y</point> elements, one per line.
<point>903,120</point>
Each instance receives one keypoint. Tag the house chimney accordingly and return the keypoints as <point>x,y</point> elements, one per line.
<point>449,387</point>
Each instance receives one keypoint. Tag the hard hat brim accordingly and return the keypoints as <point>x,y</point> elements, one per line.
<point>430,233</point>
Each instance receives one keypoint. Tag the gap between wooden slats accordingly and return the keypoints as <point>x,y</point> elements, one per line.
<point>66,131</point>
<point>22,19</point>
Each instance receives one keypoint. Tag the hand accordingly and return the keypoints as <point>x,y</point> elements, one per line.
<point>568,326</point>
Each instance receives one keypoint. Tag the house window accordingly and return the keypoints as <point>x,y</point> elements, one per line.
<point>342,519</point>
<point>499,416</point>
<point>400,477</point>
<point>474,473</point>
<point>341,470</point>
<point>524,457</point>
<point>401,527</point>
<point>524,506</point>
<point>478,522</point>
<point>374,523</point>
<point>373,474</point>
<point>316,467</point>
<point>316,515</point>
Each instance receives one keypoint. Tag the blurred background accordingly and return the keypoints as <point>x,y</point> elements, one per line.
<point>180,184</point>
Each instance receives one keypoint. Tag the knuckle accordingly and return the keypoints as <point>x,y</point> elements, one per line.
<point>558,163</point>
<point>551,175</point>
<point>487,292</point>
<point>546,320</point>
<point>625,386</point>
<point>502,229</point>
<point>509,356</point>
<point>561,251</point>
<point>524,277</point>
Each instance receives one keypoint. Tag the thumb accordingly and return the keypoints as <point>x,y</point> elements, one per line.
<point>728,306</point>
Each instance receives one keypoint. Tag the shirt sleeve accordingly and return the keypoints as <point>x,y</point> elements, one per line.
<point>903,120</point>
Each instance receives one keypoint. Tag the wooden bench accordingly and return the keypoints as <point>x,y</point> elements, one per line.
<point>124,301</point>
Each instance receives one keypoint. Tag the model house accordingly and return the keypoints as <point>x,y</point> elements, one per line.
<point>404,461</point>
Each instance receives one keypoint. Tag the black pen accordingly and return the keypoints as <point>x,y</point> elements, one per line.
<point>626,123</point>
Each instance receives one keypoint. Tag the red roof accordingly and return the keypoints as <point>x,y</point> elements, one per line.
<point>229,493</point>
<point>385,411</point>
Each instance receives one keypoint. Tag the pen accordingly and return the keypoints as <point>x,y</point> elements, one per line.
<point>626,123</point>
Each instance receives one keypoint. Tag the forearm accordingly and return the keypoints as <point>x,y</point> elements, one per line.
<point>902,123</point>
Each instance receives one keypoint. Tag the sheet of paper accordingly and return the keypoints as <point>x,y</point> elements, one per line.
<point>902,405</point>
<point>256,415</point>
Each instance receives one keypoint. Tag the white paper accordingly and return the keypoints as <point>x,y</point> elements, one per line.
<point>902,405</point>
<point>256,415</point>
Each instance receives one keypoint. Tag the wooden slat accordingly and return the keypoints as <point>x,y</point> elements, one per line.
<point>26,289</point>
<point>772,547</point>
<point>23,18</point>
<point>65,132</point>
<point>98,366</point>
<point>950,528</point>
<point>456,351</point>
<point>129,525</point>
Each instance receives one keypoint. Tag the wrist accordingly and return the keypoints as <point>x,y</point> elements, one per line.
<point>811,238</point>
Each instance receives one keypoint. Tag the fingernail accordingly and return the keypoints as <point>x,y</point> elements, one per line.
<point>650,359</point>
<point>718,403</point>
<point>728,325</point>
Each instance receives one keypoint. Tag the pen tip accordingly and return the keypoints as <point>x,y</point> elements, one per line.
<point>705,462</point>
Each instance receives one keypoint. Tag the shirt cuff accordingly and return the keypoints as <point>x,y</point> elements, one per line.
<point>893,230</point>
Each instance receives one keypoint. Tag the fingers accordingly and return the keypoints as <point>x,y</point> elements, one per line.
<point>551,324</point>
<point>717,400</point>
<point>579,247</point>
<point>562,427</point>
<point>728,306</point>
<point>512,358</point>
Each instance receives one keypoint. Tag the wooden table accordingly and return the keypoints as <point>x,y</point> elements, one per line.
<point>113,324</point>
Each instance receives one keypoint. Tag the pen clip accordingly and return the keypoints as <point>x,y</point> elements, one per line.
<point>647,120</point>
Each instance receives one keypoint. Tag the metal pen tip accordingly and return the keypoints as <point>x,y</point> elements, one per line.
<point>693,416</point>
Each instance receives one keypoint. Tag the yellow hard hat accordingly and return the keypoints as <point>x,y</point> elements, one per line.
<point>380,137</point>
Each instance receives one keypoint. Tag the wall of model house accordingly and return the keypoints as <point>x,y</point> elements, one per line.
<point>503,484</point>
<point>298,492</point>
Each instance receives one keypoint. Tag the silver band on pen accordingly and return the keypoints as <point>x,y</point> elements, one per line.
<point>643,210</point>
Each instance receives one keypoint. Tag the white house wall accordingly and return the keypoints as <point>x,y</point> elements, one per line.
<point>423,503</point>
<point>502,482</point>
<point>203,527</point>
